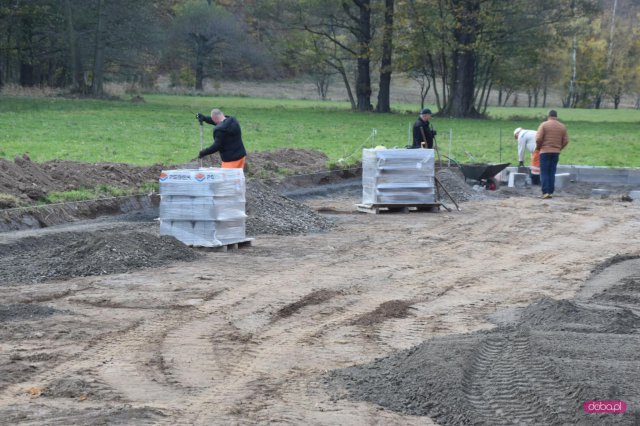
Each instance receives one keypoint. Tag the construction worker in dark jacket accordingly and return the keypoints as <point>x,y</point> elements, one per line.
<point>227,139</point>
<point>422,132</point>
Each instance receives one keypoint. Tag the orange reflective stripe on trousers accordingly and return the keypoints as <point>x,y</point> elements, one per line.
<point>238,164</point>
<point>535,162</point>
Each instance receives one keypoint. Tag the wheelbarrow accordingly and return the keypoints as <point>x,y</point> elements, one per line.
<point>484,173</point>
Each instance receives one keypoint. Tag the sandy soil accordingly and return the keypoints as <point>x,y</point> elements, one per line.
<point>254,336</point>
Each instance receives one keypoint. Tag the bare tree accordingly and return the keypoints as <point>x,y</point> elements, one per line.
<point>384,92</point>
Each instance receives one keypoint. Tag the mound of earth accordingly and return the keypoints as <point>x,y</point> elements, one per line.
<point>539,369</point>
<point>28,182</point>
<point>270,213</point>
<point>452,180</point>
<point>279,162</point>
<point>24,182</point>
<point>132,241</point>
<point>86,253</point>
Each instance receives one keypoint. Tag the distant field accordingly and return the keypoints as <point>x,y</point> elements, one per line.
<point>164,130</point>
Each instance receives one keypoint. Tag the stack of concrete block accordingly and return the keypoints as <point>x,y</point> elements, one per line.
<point>203,207</point>
<point>398,176</point>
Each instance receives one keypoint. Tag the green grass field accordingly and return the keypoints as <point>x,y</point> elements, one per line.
<point>164,130</point>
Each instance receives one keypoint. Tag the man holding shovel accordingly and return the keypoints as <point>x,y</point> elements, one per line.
<point>423,134</point>
<point>227,139</point>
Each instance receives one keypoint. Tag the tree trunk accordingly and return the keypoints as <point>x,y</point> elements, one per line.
<point>445,72</point>
<point>347,85</point>
<point>199,71</point>
<point>26,74</point>
<point>597,101</point>
<point>572,82</point>
<point>464,60</point>
<point>486,100</point>
<point>24,51</point>
<point>98,62</point>
<point>74,63</point>
<point>363,79</point>
<point>384,92</point>
<point>322,81</point>
<point>461,104</point>
<point>482,94</point>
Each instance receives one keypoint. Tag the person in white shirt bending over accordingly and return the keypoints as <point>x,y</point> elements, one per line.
<point>527,139</point>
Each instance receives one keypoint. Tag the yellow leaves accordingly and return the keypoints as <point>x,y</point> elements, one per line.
<point>35,391</point>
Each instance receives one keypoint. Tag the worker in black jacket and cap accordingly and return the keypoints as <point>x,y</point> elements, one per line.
<point>423,134</point>
<point>227,139</point>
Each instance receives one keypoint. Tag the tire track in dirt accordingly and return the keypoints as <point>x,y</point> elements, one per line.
<point>505,384</point>
<point>227,361</point>
<point>117,355</point>
<point>277,351</point>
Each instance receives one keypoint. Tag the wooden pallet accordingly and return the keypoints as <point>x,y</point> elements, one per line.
<point>235,245</point>
<point>397,208</point>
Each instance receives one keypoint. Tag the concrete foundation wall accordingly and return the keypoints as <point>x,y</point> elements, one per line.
<point>591,174</point>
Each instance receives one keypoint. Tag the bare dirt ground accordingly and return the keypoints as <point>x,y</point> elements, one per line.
<point>512,310</point>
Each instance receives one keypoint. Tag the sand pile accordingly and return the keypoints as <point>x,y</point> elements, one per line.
<point>539,369</point>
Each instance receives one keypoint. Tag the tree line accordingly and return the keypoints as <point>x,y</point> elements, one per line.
<point>460,51</point>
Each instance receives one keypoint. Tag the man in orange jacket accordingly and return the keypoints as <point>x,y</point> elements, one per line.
<point>551,138</point>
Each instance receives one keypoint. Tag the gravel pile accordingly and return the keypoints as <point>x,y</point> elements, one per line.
<point>76,254</point>
<point>566,315</point>
<point>453,181</point>
<point>270,213</point>
<point>537,369</point>
<point>132,241</point>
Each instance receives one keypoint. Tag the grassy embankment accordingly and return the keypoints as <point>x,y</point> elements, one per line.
<point>164,130</point>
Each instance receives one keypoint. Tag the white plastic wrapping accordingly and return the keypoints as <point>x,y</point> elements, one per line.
<point>203,182</point>
<point>204,233</point>
<point>183,207</point>
<point>203,207</point>
<point>398,176</point>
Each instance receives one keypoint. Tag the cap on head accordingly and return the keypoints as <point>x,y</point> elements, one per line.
<point>425,111</point>
<point>516,131</point>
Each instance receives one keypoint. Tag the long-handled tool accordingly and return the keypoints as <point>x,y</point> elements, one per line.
<point>447,192</point>
<point>201,141</point>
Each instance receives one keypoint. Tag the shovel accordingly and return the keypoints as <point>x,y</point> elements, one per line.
<point>201,142</point>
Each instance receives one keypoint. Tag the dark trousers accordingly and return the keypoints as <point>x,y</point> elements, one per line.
<point>548,166</point>
<point>535,179</point>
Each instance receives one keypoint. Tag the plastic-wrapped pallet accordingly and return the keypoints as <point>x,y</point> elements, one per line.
<point>203,207</point>
<point>398,176</point>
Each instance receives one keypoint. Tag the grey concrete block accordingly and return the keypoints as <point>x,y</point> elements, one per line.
<point>635,195</point>
<point>503,176</point>
<point>599,193</point>
<point>562,180</point>
<point>634,177</point>
<point>517,180</point>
